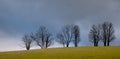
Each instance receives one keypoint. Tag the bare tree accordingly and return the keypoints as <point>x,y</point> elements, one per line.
<point>76,35</point>
<point>48,40</point>
<point>107,33</point>
<point>95,35</point>
<point>61,39</point>
<point>43,38</point>
<point>27,41</point>
<point>65,37</point>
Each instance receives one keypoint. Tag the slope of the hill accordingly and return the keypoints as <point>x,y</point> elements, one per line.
<point>65,53</point>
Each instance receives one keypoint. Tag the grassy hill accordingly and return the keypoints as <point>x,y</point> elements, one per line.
<point>65,53</point>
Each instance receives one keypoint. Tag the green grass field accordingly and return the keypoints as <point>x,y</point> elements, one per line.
<point>65,53</point>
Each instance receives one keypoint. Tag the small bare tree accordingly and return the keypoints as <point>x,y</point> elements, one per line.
<point>61,39</point>
<point>107,33</point>
<point>27,41</point>
<point>95,34</point>
<point>43,38</point>
<point>76,35</point>
<point>48,40</point>
<point>65,36</point>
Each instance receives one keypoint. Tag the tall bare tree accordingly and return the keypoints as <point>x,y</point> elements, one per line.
<point>76,35</point>
<point>95,34</point>
<point>43,38</point>
<point>65,36</point>
<point>107,33</point>
<point>27,41</point>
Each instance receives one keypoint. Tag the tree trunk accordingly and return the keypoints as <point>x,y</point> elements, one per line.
<point>108,43</point>
<point>67,45</point>
<point>105,43</point>
<point>95,44</point>
<point>76,44</point>
<point>28,48</point>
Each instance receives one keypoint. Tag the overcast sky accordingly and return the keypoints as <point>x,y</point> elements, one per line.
<point>18,17</point>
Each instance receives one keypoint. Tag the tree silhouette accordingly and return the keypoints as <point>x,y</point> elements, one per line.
<point>61,39</point>
<point>48,40</point>
<point>76,35</point>
<point>65,36</point>
<point>95,35</point>
<point>43,38</point>
<point>27,41</point>
<point>107,33</point>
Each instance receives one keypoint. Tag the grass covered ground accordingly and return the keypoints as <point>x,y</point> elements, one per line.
<point>65,53</point>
